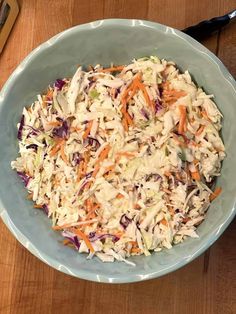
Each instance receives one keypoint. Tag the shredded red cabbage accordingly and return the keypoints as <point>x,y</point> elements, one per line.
<point>93,237</point>
<point>158,105</point>
<point>117,91</point>
<point>45,209</point>
<point>144,113</point>
<point>59,84</point>
<point>83,186</point>
<point>24,177</point>
<point>22,122</point>
<point>125,221</point>
<point>77,158</point>
<point>74,239</point>
<point>89,175</point>
<point>92,142</point>
<point>62,131</point>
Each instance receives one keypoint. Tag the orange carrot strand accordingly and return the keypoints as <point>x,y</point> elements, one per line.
<point>200,130</point>
<point>88,129</point>
<point>195,175</point>
<point>182,121</point>
<point>216,193</point>
<point>113,69</point>
<point>83,237</point>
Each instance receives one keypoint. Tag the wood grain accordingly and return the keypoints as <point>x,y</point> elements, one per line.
<point>208,284</point>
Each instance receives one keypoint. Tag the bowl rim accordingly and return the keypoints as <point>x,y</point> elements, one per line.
<point>85,274</point>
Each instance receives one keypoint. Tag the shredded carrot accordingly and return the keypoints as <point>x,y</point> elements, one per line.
<point>38,206</point>
<point>182,121</point>
<point>88,204</point>
<point>54,150</point>
<point>56,182</point>
<point>195,144</point>
<point>135,250</point>
<point>133,87</point>
<point>118,68</point>
<point>88,129</point>
<point>81,170</point>
<point>126,154</point>
<point>133,91</point>
<point>119,234</point>
<point>65,226</point>
<point>44,103</point>
<point>167,173</point>
<point>133,243</point>
<point>127,120</point>
<point>196,161</point>
<point>145,94</point>
<point>186,169</point>
<point>200,130</point>
<point>91,210</point>
<point>87,185</point>
<point>86,156</point>
<point>63,155</point>
<point>75,129</point>
<point>68,243</point>
<point>56,147</point>
<point>95,171</point>
<point>174,93</point>
<point>69,225</point>
<point>196,175</point>
<point>205,115</point>
<point>178,176</point>
<point>54,123</point>
<point>119,195</point>
<point>216,193</point>
<point>164,222</point>
<point>110,168</point>
<point>186,219</point>
<point>83,237</point>
<point>170,96</point>
<point>125,125</point>
<point>104,153</point>
<point>30,196</point>
<point>181,143</point>
<point>171,210</point>
<point>137,206</point>
<point>50,93</point>
<point>166,191</point>
<point>78,171</point>
<point>127,117</point>
<point>90,215</point>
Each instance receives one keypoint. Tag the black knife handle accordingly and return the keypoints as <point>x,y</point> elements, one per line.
<point>206,28</point>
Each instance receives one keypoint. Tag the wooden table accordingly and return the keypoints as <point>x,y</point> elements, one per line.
<point>208,284</point>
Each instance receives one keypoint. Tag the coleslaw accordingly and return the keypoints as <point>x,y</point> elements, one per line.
<point>122,159</point>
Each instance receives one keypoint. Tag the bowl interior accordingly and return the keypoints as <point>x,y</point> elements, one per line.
<point>103,42</point>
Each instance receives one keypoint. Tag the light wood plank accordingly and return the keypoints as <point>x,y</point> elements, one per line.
<point>29,286</point>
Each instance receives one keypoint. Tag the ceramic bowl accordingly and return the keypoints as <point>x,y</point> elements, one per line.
<point>103,42</point>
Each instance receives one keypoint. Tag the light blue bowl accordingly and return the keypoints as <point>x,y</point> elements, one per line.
<point>104,42</point>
